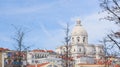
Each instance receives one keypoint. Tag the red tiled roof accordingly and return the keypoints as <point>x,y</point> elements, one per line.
<point>100,61</point>
<point>4,49</point>
<point>117,65</point>
<point>38,65</point>
<point>88,64</point>
<point>30,65</point>
<point>50,51</point>
<point>37,50</point>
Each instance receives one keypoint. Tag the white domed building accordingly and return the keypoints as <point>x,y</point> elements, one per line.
<point>79,49</point>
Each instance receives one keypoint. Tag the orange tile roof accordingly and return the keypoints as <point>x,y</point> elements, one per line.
<point>30,65</point>
<point>38,65</point>
<point>38,50</point>
<point>89,64</point>
<point>50,51</point>
<point>4,49</point>
<point>117,65</point>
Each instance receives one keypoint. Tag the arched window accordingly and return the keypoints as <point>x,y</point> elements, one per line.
<point>94,51</point>
<point>100,51</point>
<point>83,39</point>
<point>42,56</point>
<point>72,39</point>
<point>38,55</point>
<point>74,50</point>
<point>79,49</point>
<point>78,39</point>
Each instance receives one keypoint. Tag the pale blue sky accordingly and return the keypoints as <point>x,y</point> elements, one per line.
<point>46,18</point>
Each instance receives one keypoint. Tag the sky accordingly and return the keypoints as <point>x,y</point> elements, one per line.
<point>46,19</point>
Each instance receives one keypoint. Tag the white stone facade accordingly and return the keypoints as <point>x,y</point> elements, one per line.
<point>43,56</point>
<point>79,46</point>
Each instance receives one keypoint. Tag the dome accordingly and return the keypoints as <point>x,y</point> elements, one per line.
<point>78,30</point>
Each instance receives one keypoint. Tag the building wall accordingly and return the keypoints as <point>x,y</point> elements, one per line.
<point>84,60</point>
<point>87,65</point>
<point>0,59</point>
<point>52,65</point>
<point>81,49</point>
<point>99,52</point>
<point>42,57</point>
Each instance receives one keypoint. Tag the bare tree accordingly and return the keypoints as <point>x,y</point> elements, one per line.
<point>67,55</point>
<point>112,8</point>
<point>67,39</point>
<point>20,47</point>
<point>107,51</point>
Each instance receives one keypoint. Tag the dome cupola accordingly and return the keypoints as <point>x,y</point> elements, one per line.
<point>79,34</point>
<point>78,30</point>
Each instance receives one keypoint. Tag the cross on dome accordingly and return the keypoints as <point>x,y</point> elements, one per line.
<point>78,22</point>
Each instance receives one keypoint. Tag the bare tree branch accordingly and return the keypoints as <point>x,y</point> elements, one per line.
<point>20,46</point>
<point>114,41</point>
<point>112,7</point>
<point>116,3</point>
